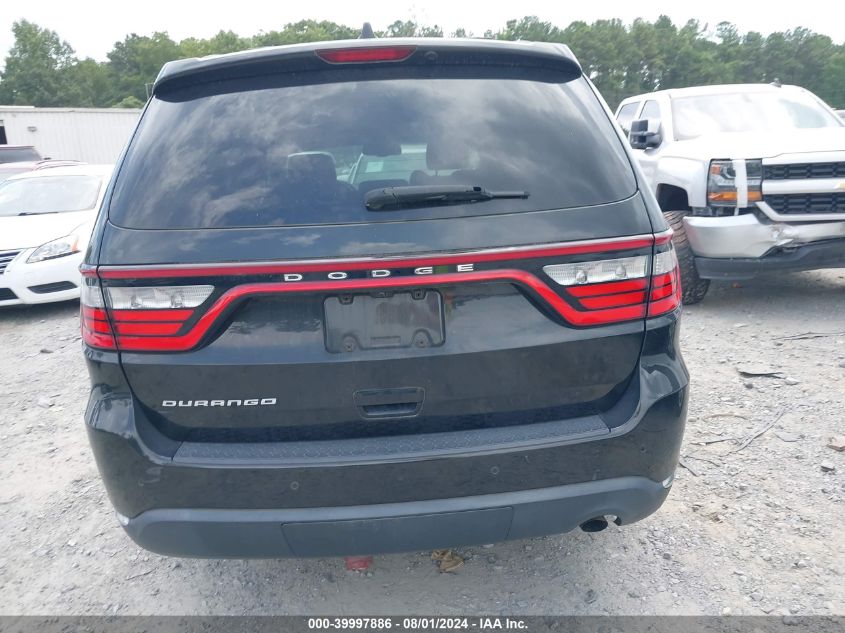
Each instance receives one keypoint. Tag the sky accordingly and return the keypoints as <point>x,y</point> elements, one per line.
<point>93,26</point>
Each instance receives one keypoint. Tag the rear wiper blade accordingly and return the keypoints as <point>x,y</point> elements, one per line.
<point>425,195</point>
<point>36,213</point>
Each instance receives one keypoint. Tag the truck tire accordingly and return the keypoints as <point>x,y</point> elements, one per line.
<point>693,287</point>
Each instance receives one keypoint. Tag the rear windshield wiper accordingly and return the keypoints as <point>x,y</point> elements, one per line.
<point>431,195</point>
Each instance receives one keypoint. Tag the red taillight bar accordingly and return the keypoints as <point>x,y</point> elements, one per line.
<point>146,329</point>
<point>594,304</point>
<point>366,55</point>
<point>96,330</point>
<point>150,316</point>
<point>665,293</point>
<point>663,237</point>
<point>608,288</point>
<point>613,301</point>
<point>521,277</point>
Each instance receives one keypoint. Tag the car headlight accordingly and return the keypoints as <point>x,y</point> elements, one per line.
<point>67,245</point>
<point>734,183</point>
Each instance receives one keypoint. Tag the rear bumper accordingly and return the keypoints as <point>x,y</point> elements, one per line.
<point>828,254</point>
<point>414,492</point>
<point>388,528</point>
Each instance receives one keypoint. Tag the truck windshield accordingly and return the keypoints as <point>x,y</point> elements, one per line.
<point>748,112</point>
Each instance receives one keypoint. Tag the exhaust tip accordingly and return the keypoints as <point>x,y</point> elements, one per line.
<point>596,524</point>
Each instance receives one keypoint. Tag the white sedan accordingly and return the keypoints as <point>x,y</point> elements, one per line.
<point>46,218</point>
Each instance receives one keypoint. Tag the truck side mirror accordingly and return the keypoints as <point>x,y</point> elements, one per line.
<point>645,133</point>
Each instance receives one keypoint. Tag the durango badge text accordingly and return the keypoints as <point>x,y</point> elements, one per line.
<point>469,324</point>
<point>249,402</point>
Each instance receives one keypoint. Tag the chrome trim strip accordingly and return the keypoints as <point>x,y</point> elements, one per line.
<point>800,186</point>
<point>378,261</point>
<point>809,157</point>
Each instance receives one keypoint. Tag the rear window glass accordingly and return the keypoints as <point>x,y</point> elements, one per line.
<point>18,154</point>
<point>48,194</point>
<point>308,154</point>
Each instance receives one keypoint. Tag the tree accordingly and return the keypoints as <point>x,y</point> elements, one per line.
<point>306,31</point>
<point>88,84</point>
<point>223,42</point>
<point>409,28</point>
<point>529,28</point>
<point>135,62</point>
<point>622,60</point>
<point>832,83</point>
<point>35,67</point>
<point>129,102</point>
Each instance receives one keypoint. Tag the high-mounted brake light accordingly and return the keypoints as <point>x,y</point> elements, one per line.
<point>366,55</point>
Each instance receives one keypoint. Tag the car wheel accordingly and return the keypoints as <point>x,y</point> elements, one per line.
<point>693,287</point>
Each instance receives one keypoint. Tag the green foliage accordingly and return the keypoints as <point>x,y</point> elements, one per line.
<point>305,31</point>
<point>41,69</point>
<point>135,62</point>
<point>223,42</point>
<point>411,29</point>
<point>129,102</point>
<point>36,67</point>
<point>87,83</point>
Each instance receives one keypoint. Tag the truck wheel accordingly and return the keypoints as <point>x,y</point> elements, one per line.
<point>693,287</point>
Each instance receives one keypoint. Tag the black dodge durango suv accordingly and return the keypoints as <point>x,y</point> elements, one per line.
<point>379,296</point>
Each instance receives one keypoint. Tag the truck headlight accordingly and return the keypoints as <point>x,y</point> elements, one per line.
<point>734,183</point>
<point>67,245</point>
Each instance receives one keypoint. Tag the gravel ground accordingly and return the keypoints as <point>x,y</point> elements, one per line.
<point>749,531</point>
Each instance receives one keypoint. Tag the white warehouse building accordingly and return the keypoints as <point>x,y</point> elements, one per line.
<point>92,135</point>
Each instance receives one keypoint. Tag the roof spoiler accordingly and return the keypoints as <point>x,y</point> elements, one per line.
<point>540,56</point>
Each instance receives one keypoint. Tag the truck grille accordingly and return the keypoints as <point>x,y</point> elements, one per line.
<point>803,203</point>
<point>803,171</point>
<point>5,258</point>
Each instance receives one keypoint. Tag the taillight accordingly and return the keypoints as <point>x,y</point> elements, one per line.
<point>597,290</point>
<point>366,55</point>
<point>665,293</point>
<point>138,318</point>
<point>94,321</point>
<point>161,298</point>
<point>621,288</point>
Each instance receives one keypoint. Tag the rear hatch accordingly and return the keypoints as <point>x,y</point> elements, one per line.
<point>327,248</point>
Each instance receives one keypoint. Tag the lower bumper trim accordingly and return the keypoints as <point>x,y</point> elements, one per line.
<point>56,286</point>
<point>391,528</point>
<point>7,295</point>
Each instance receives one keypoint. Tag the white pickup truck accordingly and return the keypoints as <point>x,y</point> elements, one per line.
<point>750,177</point>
